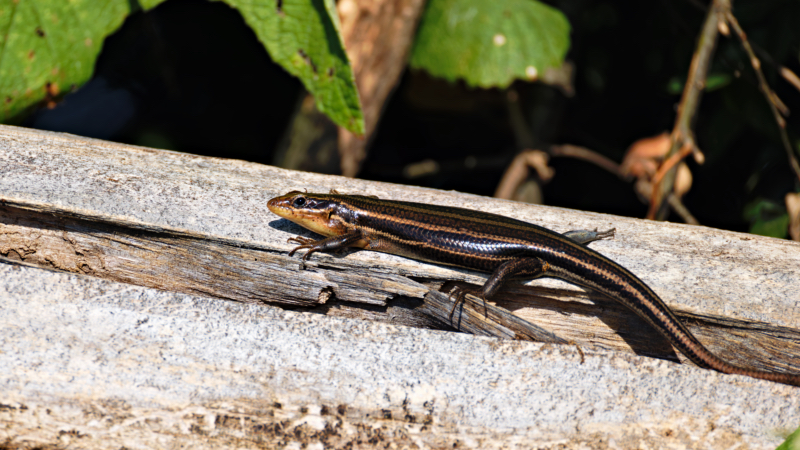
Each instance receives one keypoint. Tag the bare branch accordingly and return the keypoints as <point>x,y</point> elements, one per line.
<point>682,134</point>
<point>772,100</point>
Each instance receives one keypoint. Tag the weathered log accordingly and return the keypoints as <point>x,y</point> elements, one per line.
<point>195,226</point>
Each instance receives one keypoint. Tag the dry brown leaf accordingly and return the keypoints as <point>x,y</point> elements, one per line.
<point>644,157</point>
<point>683,180</point>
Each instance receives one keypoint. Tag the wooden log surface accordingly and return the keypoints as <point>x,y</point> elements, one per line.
<point>199,226</point>
<point>94,364</point>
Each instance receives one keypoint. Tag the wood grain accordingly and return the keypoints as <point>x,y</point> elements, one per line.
<point>91,359</point>
<point>94,364</point>
<point>195,225</point>
<point>178,262</point>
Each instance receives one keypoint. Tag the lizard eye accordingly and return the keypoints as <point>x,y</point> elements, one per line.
<point>299,202</point>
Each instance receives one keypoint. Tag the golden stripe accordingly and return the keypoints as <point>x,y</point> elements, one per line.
<point>379,204</point>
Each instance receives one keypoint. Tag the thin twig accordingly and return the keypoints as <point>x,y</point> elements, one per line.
<point>518,171</point>
<point>666,166</point>
<point>786,73</point>
<point>791,77</point>
<point>577,152</point>
<point>681,210</point>
<point>682,134</point>
<point>516,116</point>
<point>767,91</point>
<point>645,190</point>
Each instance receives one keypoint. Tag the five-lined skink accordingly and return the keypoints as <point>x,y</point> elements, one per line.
<point>507,248</point>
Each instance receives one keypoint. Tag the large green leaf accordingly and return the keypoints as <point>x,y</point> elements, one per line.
<point>48,47</point>
<point>490,43</point>
<point>303,37</point>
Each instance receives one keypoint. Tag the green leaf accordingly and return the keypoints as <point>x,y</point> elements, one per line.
<point>147,5</point>
<point>48,48</point>
<point>767,218</point>
<point>713,82</point>
<point>303,37</point>
<point>717,81</point>
<point>792,442</point>
<point>675,85</point>
<point>490,43</point>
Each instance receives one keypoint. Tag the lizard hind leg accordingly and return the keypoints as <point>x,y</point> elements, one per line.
<point>514,268</point>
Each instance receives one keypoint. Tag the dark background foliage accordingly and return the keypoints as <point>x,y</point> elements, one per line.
<point>190,76</point>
